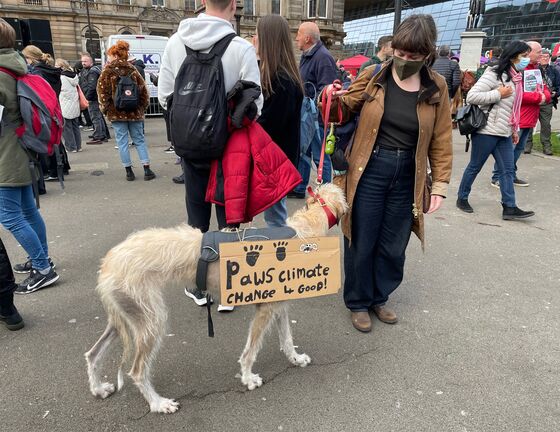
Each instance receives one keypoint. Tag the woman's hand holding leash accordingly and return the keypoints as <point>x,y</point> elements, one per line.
<point>335,89</point>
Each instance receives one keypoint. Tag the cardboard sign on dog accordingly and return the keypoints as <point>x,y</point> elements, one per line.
<point>278,270</point>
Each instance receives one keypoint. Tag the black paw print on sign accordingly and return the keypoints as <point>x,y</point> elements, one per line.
<point>280,250</point>
<point>253,253</point>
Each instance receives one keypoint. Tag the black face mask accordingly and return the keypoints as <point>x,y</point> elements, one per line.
<point>406,68</point>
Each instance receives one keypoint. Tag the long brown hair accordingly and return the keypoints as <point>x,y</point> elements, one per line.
<point>276,52</point>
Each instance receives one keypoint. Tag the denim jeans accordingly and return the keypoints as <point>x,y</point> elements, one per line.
<point>276,215</point>
<point>100,129</point>
<point>136,129</point>
<point>304,165</point>
<point>381,227</point>
<point>71,134</point>
<point>502,149</point>
<point>517,152</point>
<point>19,215</point>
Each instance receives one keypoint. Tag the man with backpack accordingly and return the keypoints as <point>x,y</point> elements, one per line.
<point>188,82</point>
<point>89,76</point>
<point>18,211</point>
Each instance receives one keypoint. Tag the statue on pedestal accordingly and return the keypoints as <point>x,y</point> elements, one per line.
<point>476,9</point>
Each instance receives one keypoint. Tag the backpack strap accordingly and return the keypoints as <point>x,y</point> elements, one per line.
<point>8,72</point>
<point>219,47</point>
<point>376,70</point>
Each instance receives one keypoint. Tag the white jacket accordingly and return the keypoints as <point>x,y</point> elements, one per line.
<point>200,34</point>
<point>484,93</point>
<point>69,98</point>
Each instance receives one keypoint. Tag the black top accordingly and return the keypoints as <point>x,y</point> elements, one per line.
<point>281,115</point>
<point>399,124</point>
<point>49,73</point>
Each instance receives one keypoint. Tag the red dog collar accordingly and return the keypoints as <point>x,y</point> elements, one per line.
<point>330,216</point>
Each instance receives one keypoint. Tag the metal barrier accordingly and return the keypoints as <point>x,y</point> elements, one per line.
<point>154,109</point>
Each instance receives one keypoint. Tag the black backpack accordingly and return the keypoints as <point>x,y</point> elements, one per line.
<point>198,116</point>
<point>126,94</point>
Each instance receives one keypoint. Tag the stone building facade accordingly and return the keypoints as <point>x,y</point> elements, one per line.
<point>69,24</point>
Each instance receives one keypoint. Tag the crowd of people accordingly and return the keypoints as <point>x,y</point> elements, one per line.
<point>393,134</point>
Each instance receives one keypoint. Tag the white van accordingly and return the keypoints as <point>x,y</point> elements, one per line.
<point>150,50</point>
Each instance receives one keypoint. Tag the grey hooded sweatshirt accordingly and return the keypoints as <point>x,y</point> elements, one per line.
<point>200,34</point>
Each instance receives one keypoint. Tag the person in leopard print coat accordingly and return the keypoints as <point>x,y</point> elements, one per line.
<point>125,122</point>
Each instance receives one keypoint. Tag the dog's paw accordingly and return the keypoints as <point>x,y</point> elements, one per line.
<point>165,406</point>
<point>252,381</point>
<point>300,360</point>
<point>104,390</point>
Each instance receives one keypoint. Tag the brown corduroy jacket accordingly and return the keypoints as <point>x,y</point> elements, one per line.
<point>107,85</point>
<point>366,97</point>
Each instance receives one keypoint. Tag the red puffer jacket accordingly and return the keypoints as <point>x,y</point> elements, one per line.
<point>531,104</point>
<point>254,175</point>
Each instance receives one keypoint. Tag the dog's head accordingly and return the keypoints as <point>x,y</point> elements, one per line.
<point>331,196</point>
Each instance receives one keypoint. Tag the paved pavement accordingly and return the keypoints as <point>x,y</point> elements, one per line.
<point>476,347</point>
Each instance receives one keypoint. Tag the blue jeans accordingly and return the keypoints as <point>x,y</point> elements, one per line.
<point>502,149</point>
<point>136,130</point>
<point>381,227</point>
<point>19,215</point>
<point>304,165</point>
<point>517,151</point>
<point>276,215</point>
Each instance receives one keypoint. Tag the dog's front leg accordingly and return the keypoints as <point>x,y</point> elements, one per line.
<point>259,326</point>
<point>286,341</point>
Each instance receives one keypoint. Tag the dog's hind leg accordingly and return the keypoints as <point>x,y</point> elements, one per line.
<point>286,341</point>
<point>94,357</point>
<point>140,373</point>
<point>259,326</point>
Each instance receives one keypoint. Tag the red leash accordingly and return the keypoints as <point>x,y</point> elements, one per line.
<point>326,102</point>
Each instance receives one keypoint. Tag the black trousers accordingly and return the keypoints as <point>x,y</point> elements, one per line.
<point>199,211</point>
<point>7,280</point>
<point>381,226</point>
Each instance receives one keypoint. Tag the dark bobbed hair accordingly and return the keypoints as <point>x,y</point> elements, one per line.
<point>417,34</point>
<point>510,52</point>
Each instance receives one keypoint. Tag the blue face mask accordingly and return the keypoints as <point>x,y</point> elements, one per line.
<point>523,63</point>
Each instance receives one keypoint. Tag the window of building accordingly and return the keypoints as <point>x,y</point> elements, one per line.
<point>317,8</point>
<point>160,3</point>
<point>275,7</point>
<point>92,43</point>
<point>190,5</point>
<point>33,2</point>
<point>249,7</point>
<point>124,2</point>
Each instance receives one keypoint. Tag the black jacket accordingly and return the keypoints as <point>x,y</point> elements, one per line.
<point>88,82</point>
<point>140,67</point>
<point>450,70</point>
<point>281,115</point>
<point>7,280</point>
<point>49,73</point>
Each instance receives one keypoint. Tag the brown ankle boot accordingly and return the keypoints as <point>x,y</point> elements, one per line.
<point>386,315</point>
<point>361,321</point>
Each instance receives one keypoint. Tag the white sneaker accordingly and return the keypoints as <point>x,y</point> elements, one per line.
<point>223,308</point>
<point>197,296</point>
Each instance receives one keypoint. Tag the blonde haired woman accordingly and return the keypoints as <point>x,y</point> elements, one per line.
<point>70,103</point>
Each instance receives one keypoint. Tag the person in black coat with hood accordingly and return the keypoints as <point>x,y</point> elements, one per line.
<point>42,64</point>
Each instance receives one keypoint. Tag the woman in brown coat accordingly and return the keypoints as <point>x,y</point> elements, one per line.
<point>404,122</point>
<point>123,98</point>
